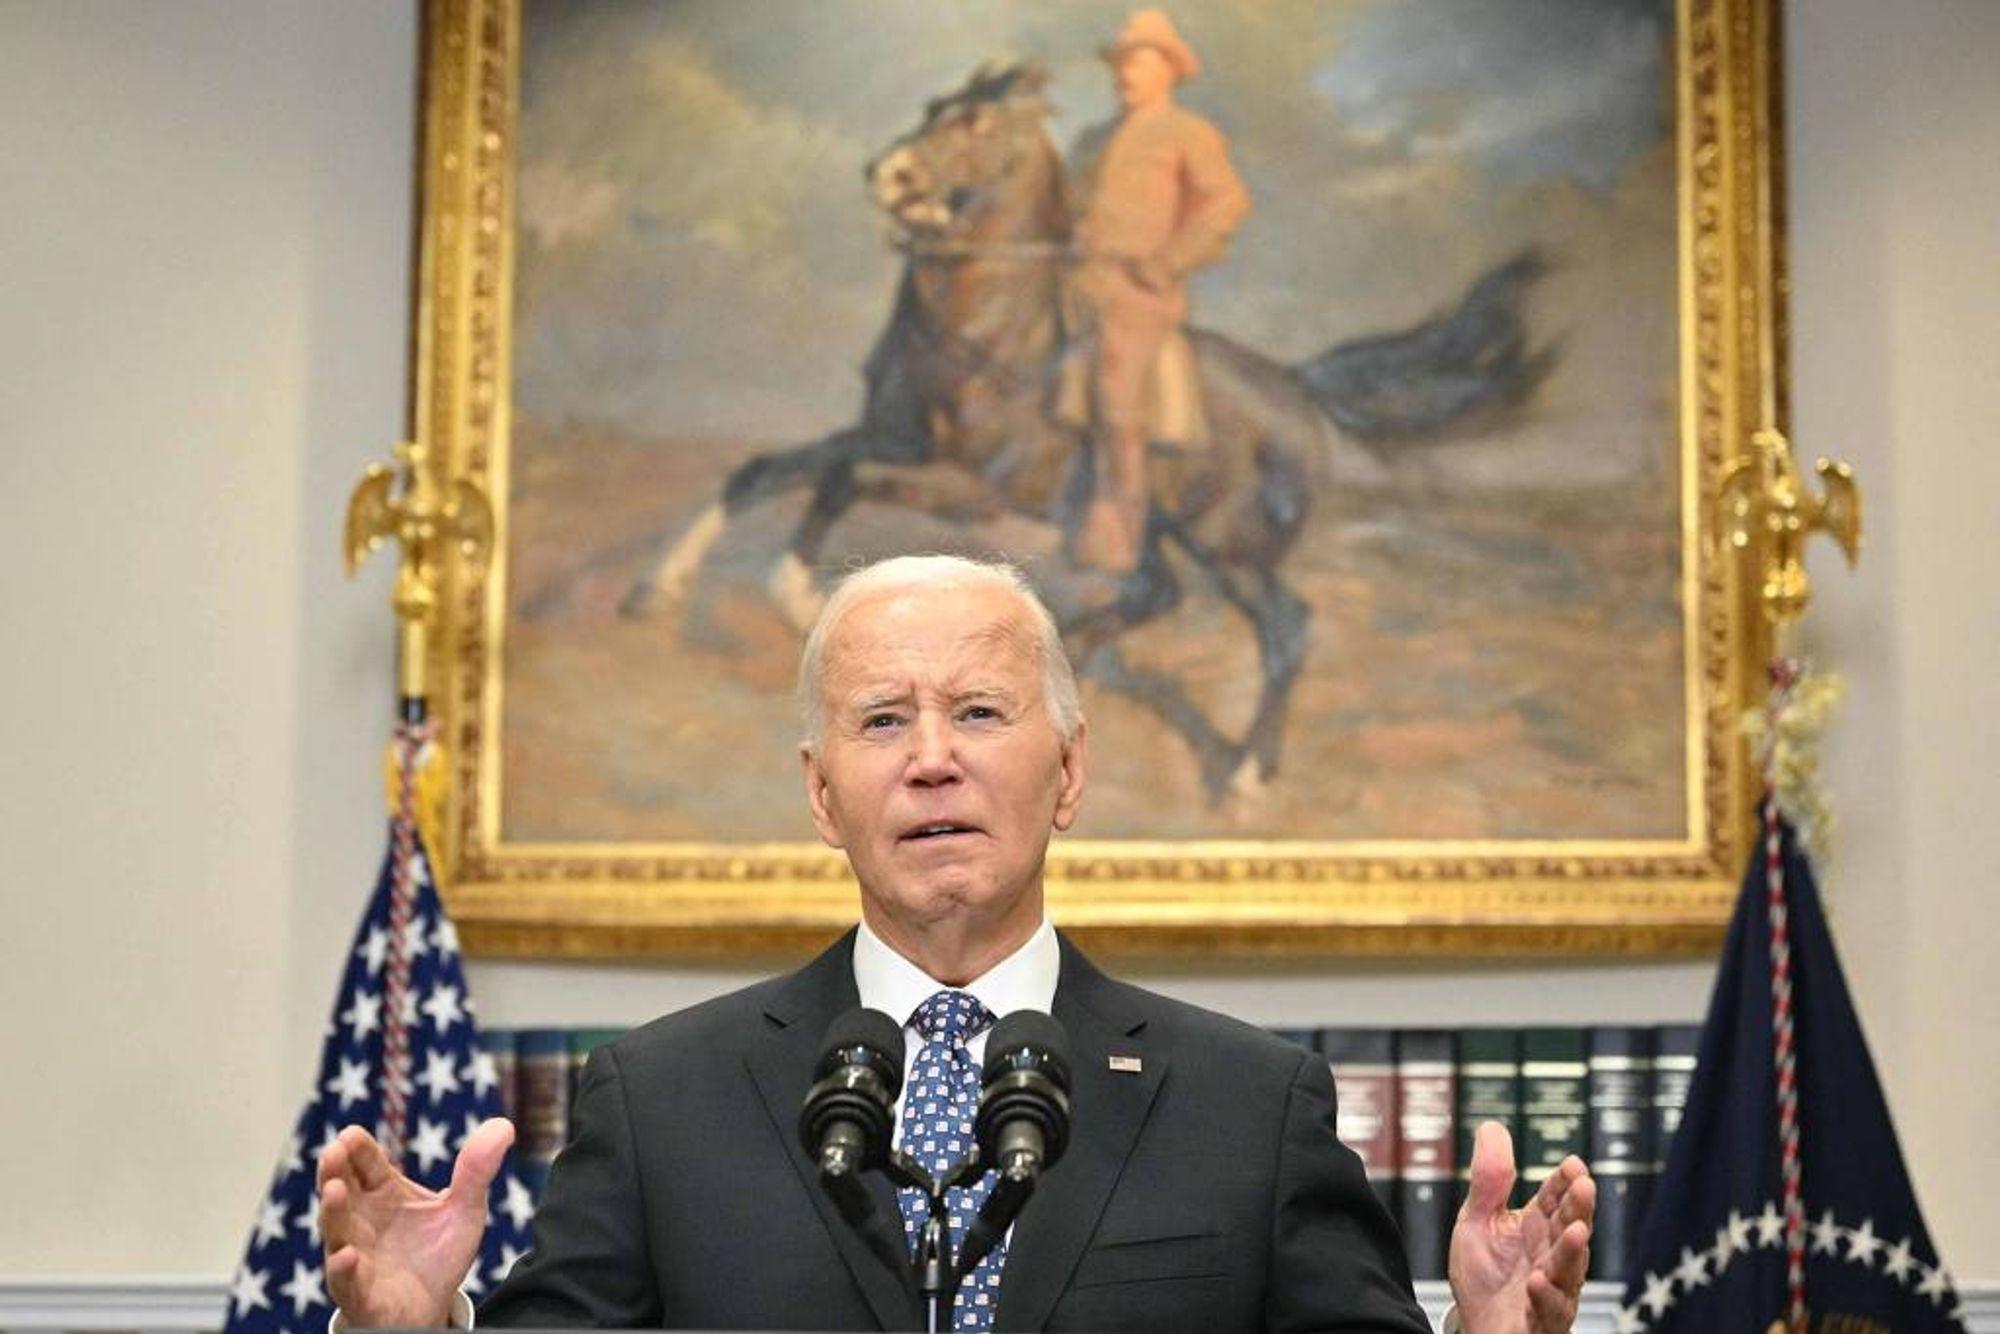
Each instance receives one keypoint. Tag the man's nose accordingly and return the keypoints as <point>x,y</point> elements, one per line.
<point>934,750</point>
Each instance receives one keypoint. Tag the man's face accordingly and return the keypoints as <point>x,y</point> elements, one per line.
<point>938,769</point>
<point>1145,77</point>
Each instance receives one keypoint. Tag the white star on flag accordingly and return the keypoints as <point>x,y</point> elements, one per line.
<point>1694,1268</point>
<point>1770,1226</point>
<point>1739,1232</point>
<point>1936,1284</point>
<point>1626,1320</point>
<point>306,1288</point>
<point>414,945</point>
<point>1862,1243</point>
<point>1901,1257</point>
<point>374,950</point>
<point>364,1016</point>
<point>483,1071</point>
<point>308,1221</point>
<point>508,1256</point>
<point>247,1292</point>
<point>350,1085</point>
<point>270,1223</point>
<point>1826,1235</point>
<point>443,1007</point>
<point>1721,1253</point>
<point>438,1078</point>
<point>428,1145</point>
<point>1659,1293</point>
<point>291,1161</point>
<point>445,937</point>
<point>519,1206</point>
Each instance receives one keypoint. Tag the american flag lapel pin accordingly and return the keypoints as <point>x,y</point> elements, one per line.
<point>1127,1065</point>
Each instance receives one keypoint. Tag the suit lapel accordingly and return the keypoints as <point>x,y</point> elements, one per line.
<point>1102,1020</point>
<point>780,1064</point>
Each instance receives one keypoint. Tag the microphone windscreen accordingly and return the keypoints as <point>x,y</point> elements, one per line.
<point>1028,1040</point>
<point>867,1030</point>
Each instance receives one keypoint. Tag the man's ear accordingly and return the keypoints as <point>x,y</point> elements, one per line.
<point>816,799</point>
<point>1075,754</point>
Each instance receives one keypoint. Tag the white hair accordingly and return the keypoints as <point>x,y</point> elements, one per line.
<point>939,572</point>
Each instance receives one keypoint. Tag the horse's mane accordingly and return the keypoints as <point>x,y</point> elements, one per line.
<point>991,84</point>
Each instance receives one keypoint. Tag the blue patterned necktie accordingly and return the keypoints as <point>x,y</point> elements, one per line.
<point>938,1105</point>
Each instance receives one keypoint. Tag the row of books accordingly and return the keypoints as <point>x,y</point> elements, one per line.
<point>1409,1102</point>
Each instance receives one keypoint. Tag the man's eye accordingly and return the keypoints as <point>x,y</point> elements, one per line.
<point>980,713</point>
<point>876,722</point>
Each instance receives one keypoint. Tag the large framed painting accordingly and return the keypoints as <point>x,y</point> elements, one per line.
<point>1419,641</point>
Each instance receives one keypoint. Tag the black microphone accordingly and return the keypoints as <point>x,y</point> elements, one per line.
<point>1023,1120</point>
<point>845,1123</point>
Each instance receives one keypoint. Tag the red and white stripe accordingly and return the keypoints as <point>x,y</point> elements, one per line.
<point>1785,673</point>
<point>409,743</point>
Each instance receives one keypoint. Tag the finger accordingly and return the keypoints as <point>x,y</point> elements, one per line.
<point>1556,1185</point>
<point>1570,1260</point>
<point>1492,1172</point>
<point>479,1160</point>
<point>344,1282</point>
<point>1549,1308</point>
<point>335,1218</point>
<point>1579,1202</point>
<point>371,1167</point>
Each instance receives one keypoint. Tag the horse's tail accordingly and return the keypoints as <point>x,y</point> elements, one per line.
<point>1441,372</point>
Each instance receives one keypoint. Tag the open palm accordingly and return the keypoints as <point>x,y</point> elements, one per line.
<point>396,1251</point>
<point>1519,1271</point>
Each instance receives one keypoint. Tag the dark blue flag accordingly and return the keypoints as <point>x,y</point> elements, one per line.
<point>1716,1253</point>
<point>452,1086</point>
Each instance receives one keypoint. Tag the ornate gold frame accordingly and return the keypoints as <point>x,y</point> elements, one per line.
<point>1509,898</point>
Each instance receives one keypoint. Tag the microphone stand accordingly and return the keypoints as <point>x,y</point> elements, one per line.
<point>937,1276</point>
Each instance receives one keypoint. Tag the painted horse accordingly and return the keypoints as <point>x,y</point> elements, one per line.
<point>960,418</point>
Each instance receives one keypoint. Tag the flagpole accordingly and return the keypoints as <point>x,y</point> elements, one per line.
<point>427,522</point>
<point>1768,512</point>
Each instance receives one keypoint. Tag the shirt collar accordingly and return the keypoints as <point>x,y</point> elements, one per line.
<point>1024,980</point>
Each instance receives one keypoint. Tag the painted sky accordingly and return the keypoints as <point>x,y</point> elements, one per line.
<point>697,257</point>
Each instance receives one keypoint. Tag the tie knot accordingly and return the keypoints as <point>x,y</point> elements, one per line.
<point>950,1016</point>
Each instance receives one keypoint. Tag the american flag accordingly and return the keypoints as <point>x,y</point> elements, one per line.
<point>449,1086</point>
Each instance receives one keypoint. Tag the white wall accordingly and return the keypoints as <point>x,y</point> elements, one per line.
<point>202,312</point>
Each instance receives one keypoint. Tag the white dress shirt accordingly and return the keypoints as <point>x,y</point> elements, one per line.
<point>1024,980</point>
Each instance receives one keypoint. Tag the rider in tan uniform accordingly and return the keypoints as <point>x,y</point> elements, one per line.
<point>1159,201</point>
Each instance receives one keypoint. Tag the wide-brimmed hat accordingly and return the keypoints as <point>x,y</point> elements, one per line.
<point>1152,27</point>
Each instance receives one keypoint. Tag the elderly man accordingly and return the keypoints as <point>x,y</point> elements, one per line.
<point>1158,199</point>
<point>1202,1187</point>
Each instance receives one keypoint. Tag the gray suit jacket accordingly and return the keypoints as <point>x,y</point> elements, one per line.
<point>1204,1191</point>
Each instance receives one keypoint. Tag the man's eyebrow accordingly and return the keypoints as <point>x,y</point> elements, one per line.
<point>882,697</point>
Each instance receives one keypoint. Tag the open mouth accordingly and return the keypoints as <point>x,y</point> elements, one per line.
<point>938,831</point>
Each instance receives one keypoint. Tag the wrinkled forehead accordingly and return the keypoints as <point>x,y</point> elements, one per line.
<point>949,636</point>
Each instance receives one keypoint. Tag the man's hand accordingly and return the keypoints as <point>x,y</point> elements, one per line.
<point>396,1252</point>
<point>1515,1270</point>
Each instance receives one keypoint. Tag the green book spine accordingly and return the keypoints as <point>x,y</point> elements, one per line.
<point>1489,1089</point>
<point>1555,1103</point>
